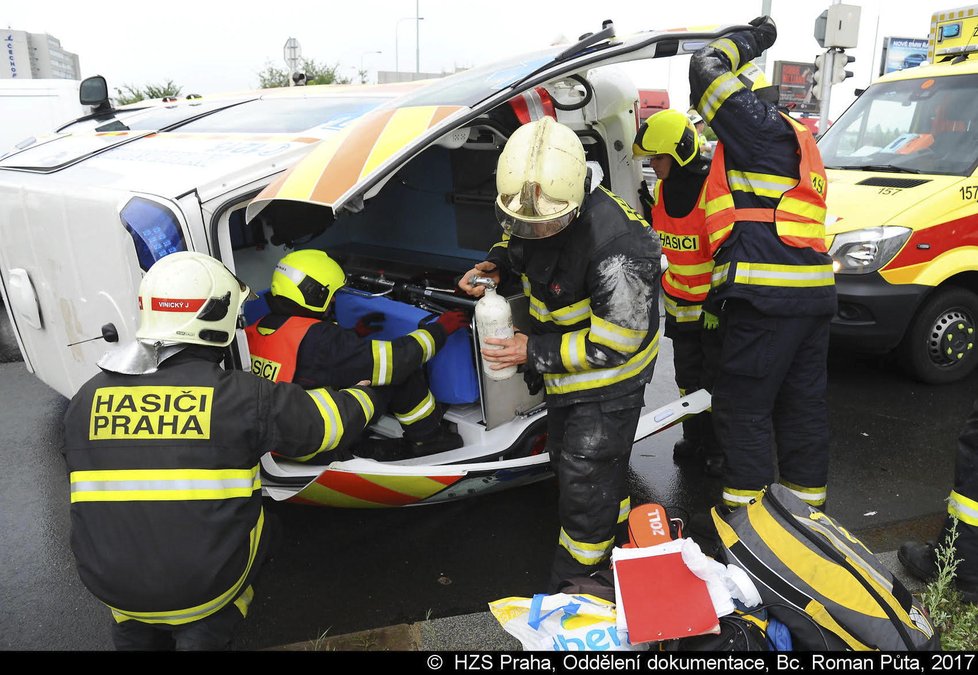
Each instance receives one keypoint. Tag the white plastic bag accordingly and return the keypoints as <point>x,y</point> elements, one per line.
<point>562,623</point>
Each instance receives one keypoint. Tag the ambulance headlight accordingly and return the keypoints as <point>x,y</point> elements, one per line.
<point>865,251</point>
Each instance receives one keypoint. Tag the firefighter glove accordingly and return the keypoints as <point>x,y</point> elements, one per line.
<point>764,31</point>
<point>533,380</point>
<point>710,321</point>
<point>369,323</point>
<point>452,320</point>
<point>645,198</point>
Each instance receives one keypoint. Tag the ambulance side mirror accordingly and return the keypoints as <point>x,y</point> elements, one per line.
<point>94,91</point>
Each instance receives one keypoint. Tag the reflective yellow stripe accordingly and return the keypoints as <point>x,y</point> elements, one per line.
<point>694,290</point>
<point>383,354</point>
<point>682,313</point>
<point>810,495</point>
<point>572,350</point>
<point>182,616</point>
<point>719,91</point>
<point>365,403</point>
<point>729,49</point>
<point>690,270</point>
<point>625,206</point>
<point>721,233</point>
<point>419,412</point>
<point>331,419</point>
<point>624,508</point>
<point>805,230</point>
<point>619,338</point>
<point>563,316</point>
<point>243,601</point>
<point>761,184</point>
<point>583,552</point>
<point>526,284</point>
<point>803,209</point>
<point>732,497</point>
<point>159,485</point>
<point>426,341</point>
<point>962,508</point>
<point>600,377</point>
<point>719,203</point>
<point>795,276</point>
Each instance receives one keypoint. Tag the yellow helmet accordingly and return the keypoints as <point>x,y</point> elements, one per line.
<point>540,178</point>
<point>308,278</point>
<point>667,132</point>
<point>190,298</point>
<point>754,79</point>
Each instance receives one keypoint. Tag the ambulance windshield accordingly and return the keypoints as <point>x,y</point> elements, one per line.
<point>925,125</point>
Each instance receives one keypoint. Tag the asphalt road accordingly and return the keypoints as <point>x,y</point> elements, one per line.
<point>342,571</point>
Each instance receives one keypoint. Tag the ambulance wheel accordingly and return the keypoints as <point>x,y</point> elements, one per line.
<point>940,344</point>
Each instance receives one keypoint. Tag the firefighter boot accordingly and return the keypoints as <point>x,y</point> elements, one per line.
<point>685,450</point>
<point>440,440</point>
<point>382,449</point>
<point>920,561</point>
<point>713,465</point>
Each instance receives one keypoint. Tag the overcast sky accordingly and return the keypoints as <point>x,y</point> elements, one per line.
<point>207,46</point>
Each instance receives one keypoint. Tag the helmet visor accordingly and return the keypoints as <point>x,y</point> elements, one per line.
<point>533,227</point>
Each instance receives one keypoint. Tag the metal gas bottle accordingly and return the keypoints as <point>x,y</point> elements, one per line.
<point>494,318</point>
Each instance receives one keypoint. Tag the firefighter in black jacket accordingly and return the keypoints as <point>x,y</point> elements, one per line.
<point>590,266</point>
<point>678,214</point>
<point>297,343</point>
<point>773,286</point>
<point>920,558</point>
<point>162,449</point>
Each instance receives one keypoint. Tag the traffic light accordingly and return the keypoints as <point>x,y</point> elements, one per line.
<point>818,76</point>
<point>839,72</point>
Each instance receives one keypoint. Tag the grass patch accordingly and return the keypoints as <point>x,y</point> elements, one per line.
<point>956,621</point>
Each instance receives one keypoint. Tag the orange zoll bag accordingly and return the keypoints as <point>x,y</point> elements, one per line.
<point>819,580</point>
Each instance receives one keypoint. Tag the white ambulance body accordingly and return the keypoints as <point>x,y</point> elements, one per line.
<point>409,207</point>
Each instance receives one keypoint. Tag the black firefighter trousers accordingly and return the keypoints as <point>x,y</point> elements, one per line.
<point>590,445</point>
<point>695,354</point>
<point>963,503</point>
<point>770,397</point>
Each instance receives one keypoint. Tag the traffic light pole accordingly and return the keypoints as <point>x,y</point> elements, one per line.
<point>826,90</point>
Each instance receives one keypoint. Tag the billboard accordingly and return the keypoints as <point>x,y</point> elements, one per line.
<point>900,53</point>
<point>795,82</point>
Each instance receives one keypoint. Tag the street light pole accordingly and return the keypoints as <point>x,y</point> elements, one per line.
<point>417,38</point>
<point>365,54</point>
<point>397,34</point>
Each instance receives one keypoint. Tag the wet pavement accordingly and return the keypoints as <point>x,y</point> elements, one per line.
<point>421,572</point>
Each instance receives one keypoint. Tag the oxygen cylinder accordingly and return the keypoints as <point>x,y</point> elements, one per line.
<point>494,318</point>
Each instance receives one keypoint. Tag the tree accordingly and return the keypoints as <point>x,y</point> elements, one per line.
<point>130,94</point>
<point>316,73</point>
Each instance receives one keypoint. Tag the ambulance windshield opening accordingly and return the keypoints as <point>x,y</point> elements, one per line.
<point>154,229</point>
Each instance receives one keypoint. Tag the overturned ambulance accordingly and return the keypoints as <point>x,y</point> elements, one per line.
<point>396,182</point>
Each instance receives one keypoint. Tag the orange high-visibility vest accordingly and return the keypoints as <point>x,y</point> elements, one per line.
<point>799,216</point>
<point>273,356</point>
<point>686,245</point>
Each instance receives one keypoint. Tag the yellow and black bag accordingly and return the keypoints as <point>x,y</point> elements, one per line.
<point>819,580</point>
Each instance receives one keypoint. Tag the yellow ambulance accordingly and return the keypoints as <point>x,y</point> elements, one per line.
<point>902,220</point>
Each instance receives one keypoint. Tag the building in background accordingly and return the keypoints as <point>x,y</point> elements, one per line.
<point>36,56</point>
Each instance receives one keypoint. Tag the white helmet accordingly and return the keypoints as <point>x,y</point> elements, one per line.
<point>540,178</point>
<point>190,298</point>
